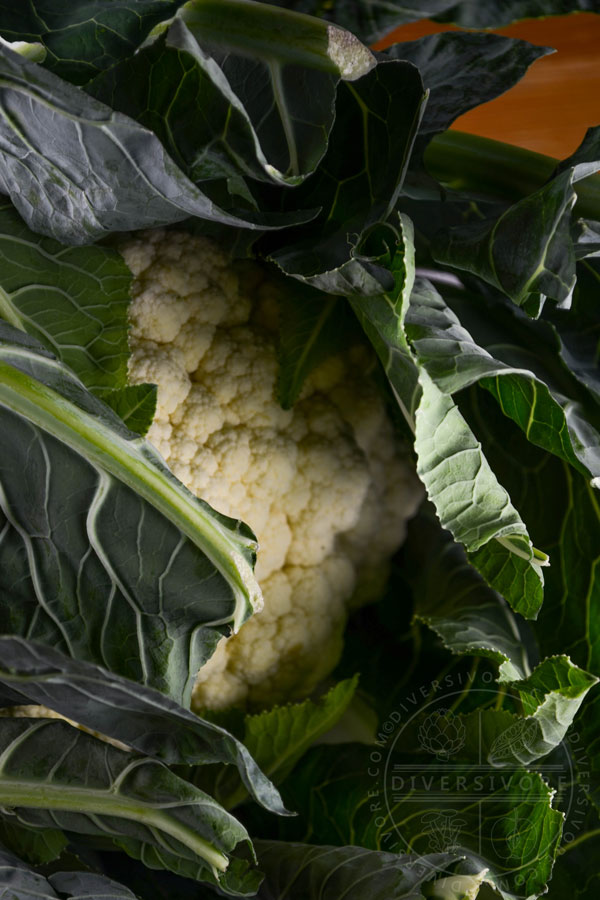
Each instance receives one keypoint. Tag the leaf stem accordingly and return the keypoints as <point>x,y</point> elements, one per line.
<point>582,837</point>
<point>129,462</point>
<point>88,801</point>
<point>463,161</point>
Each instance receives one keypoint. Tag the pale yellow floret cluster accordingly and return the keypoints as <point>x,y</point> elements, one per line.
<point>322,485</point>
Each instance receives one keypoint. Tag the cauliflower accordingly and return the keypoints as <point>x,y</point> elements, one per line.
<point>322,485</point>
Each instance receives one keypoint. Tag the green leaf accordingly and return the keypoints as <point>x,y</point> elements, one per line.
<point>518,578</point>
<point>461,70</point>
<point>565,520</point>
<point>103,553</point>
<point>452,598</point>
<point>24,883</point>
<point>278,737</point>
<point>36,847</point>
<point>53,775</point>
<point>73,300</point>
<point>526,252</point>
<point>373,19</point>
<point>503,12</point>
<point>312,327</point>
<point>358,182</point>
<point>576,869</point>
<point>382,318</point>
<point>214,55</point>
<point>471,503</point>
<point>302,872</point>
<point>137,716</point>
<point>88,884</point>
<point>587,238</point>
<point>550,697</point>
<point>81,40</point>
<point>579,329</point>
<point>105,173</point>
<point>454,359</point>
<point>503,822</point>
<point>469,500</point>
<point>135,404</point>
<point>553,693</point>
<point>530,387</point>
<point>586,159</point>
<point>297,61</point>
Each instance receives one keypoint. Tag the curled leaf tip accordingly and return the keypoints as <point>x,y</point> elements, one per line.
<point>34,52</point>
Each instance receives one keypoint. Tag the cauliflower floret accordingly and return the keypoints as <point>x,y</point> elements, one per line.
<point>322,485</point>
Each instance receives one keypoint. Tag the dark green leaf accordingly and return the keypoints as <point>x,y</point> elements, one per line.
<point>20,882</point>
<point>74,300</point>
<point>579,329</point>
<point>455,360</point>
<point>469,500</point>
<point>137,716</point>
<point>462,70</point>
<point>104,173</point>
<point>516,577</point>
<point>54,775</point>
<point>586,235</point>
<point>563,514</point>
<point>302,872</point>
<point>83,39</point>
<point>526,252</point>
<point>78,885</point>
<point>576,872</point>
<point>263,107</point>
<point>278,737</point>
<point>135,404</point>
<point>312,327</point>
<point>358,181</point>
<point>586,159</point>
<point>495,13</point>
<point>104,554</point>
<point>372,19</point>
<point>453,599</point>
<point>36,847</point>
<point>153,884</point>
<point>382,318</point>
<point>502,820</point>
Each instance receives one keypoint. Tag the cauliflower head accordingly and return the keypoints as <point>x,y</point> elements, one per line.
<point>323,485</point>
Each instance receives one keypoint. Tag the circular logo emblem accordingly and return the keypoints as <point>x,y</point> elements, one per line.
<point>482,785</point>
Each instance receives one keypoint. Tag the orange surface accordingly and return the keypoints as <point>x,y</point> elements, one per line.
<point>559,97</point>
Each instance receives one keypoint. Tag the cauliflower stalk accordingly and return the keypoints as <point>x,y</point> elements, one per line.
<point>322,485</point>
